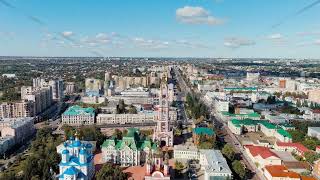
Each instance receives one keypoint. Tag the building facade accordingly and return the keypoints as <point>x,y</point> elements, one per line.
<point>57,89</point>
<point>15,131</point>
<point>76,116</point>
<point>163,132</point>
<point>125,118</point>
<point>131,150</point>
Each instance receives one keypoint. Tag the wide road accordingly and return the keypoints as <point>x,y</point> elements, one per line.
<point>229,137</point>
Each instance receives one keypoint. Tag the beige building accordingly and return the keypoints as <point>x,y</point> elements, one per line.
<point>262,156</point>
<point>314,95</point>
<point>14,131</point>
<point>17,109</point>
<point>70,88</point>
<point>42,97</point>
<point>125,118</point>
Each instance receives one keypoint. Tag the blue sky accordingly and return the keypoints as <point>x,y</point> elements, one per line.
<point>170,28</point>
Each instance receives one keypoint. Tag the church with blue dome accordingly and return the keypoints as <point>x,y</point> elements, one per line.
<point>76,160</point>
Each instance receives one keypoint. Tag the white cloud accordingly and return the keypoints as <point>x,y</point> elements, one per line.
<point>150,43</point>
<point>196,15</point>
<point>67,33</point>
<point>309,33</point>
<point>235,42</point>
<point>317,42</point>
<point>190,44</point>
<point>276,36</point>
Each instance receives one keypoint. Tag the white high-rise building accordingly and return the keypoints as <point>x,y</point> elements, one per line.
<point>57,89</point>
<point>70,88</point>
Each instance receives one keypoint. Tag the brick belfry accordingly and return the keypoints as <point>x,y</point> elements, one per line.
<point>163,133</point>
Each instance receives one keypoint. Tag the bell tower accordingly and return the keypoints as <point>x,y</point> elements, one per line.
<point>163,133</point>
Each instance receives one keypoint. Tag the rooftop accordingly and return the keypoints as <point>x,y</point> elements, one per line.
<point>300,147</point>
<point>216,162</point>
<point>281,171</point>
<point>264,152</point>
<point>77,110</point>
<point>203,131</point>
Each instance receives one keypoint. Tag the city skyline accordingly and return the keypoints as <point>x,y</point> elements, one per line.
<point>187,28</point>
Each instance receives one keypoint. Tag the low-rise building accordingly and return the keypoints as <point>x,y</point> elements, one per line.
<point>228,116</point>
<point>314,132</point>
<point>76,116</point>
<point>248,125</point>
<point>296,148</point>
<point>126,118</point>
<point>185,152</point>
<point>131,150</point>
<point>262,156</point>
<point>279,172</point>
<point>214,165</point>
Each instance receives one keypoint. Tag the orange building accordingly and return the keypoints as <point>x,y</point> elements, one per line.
<point>282,83</point>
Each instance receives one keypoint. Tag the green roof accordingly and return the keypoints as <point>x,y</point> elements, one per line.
<point>77,110</point>
<point>284,133</point>
<point>203,130</point>
<point>268,125</point>
<point>132,140</point>
<point>247,122</point>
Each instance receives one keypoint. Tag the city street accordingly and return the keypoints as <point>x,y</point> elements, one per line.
<point>229,136</point>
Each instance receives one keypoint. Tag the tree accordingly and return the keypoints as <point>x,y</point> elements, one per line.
<point>311,156</point>
<point>177,132</point>
<point>228,152</point>
<point>311,143</point>
<point>8,176</point>
<point>117,133</point>
<point>239,169</point>
<point>121,107</point>
<point>179,167</point>
<point>298,103</point>
<point>271,100</point>
<point>132,110</point>
<point>297,136</point>
<point>109,171</point>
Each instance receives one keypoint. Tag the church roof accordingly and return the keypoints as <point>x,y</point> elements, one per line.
<point>71,171</point>
<point>131,140</point>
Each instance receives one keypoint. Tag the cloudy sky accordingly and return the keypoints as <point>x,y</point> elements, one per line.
<point>170,28</point>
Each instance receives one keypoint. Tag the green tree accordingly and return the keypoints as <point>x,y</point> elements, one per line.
<point>297,136</point>
<point>8,176</point>
<point>228,152</point>
<point>112,172</point>
<point>117,133</point>
<point>179,167</point>
<point>121,107</point>
<point>299,103</point>
<point>311,143</point>
<point>311,156</point>
<point>132,110</point>
<point>239,169</point>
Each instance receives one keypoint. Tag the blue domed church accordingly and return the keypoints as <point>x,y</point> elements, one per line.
<point>76,160</point>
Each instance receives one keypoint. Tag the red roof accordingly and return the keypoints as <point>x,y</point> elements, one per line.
<point>264,152</point>
<point>281,171</point>
<point>299,147</point>
<point>317,111</point>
